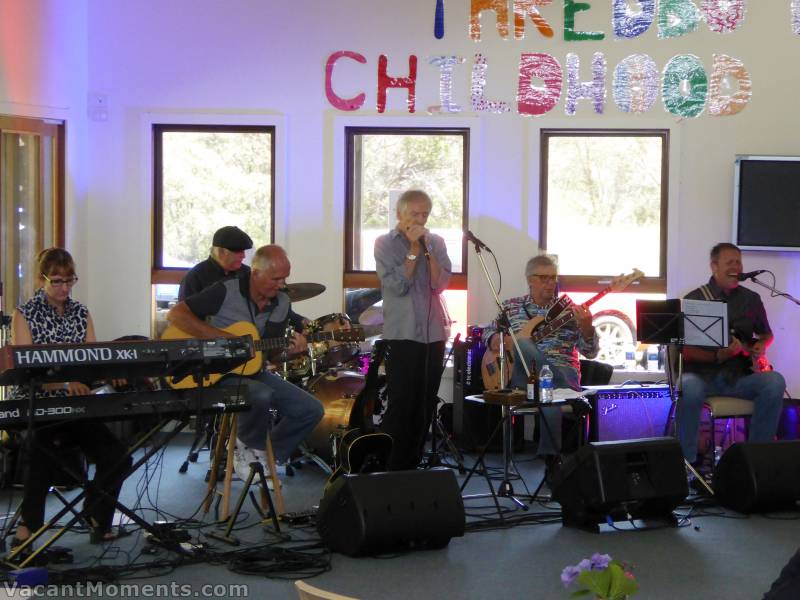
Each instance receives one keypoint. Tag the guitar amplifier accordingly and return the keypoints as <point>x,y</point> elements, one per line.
<point>629,412</point>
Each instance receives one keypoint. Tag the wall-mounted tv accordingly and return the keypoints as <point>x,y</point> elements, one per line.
<point>766,203</point>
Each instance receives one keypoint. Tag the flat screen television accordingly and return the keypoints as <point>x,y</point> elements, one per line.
<point>766,203</point>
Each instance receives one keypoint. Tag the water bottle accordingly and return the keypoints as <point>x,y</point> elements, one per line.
<point>652,357</point>
<point>546,384</point>
<point>630,358</point>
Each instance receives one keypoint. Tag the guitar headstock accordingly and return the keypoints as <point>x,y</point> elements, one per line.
<point>623,281</point>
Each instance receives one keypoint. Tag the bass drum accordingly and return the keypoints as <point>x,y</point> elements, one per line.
<point>332,354</point>
<point>337,392</point>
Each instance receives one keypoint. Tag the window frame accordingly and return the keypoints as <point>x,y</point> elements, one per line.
<point>595,283</point>
<point>354,278</point>
<point>173,275</point>
<point>56,130</point>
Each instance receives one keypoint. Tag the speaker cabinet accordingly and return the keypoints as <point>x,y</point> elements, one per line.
<point>614,481</point>
<point>759,476</point>
<point>386,512</point>
<point>628,412</point>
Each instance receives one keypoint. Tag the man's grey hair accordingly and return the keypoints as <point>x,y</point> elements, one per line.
<point>266,256</point>
<point>410,196</point>
<point>540,260</point>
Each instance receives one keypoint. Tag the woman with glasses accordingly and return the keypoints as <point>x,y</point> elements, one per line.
<point>52,316</point>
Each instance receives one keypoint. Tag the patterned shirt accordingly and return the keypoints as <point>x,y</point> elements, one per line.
<point>49,327</point>
<point>562,346</point>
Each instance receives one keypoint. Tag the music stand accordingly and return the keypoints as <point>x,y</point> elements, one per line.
<point>663,322</point>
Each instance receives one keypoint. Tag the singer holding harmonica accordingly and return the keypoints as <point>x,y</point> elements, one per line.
<point>414,270</point>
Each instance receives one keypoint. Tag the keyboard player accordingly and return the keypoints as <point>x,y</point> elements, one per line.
<point>52,316</point>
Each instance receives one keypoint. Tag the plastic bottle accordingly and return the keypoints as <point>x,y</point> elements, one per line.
<point>533,384</point>
<point>630,358</point>
<point>652,357</point>
<point>546,384</point>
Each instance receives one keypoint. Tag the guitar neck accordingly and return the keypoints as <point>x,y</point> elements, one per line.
<point>265,344</point>
<point>567,316</point>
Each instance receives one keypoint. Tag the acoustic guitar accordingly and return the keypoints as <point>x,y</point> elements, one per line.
<point>541,327</point>
<point>255,364</point>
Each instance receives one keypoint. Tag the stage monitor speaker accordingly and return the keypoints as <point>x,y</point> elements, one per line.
<point>386,512</point>
<point>759,476</point>
<point>628,412</point>
<point>615,481</point>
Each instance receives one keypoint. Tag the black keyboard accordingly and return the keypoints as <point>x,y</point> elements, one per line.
<point>120,406</point>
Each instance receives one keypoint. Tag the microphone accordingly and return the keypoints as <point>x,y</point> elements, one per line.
<point>750,274</point>
<point>478,244</point>
<point>424,241</point>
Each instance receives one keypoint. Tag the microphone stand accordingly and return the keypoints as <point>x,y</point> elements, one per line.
<point>505,490</point>
<point>775,291</point>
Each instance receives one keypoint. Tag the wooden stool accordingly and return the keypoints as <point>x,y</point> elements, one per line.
<point>227,437</point>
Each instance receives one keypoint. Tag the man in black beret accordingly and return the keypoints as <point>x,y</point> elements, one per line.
<point>227,253</point>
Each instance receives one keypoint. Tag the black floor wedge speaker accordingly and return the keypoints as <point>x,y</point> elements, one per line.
<point>616,481</point>
<point>373,513</point>
<point>759,476</point>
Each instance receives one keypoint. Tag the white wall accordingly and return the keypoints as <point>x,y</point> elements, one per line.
<point>195,57</point>
<point>43,74</point>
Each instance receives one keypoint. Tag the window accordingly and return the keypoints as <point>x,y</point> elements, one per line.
<point>381,164</point>
<point>604,205</point>
<point>206,177</point>
<point>603,213</point>
<point>31,201</point>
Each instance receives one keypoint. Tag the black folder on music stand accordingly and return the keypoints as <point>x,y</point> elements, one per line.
<point>659,321</point>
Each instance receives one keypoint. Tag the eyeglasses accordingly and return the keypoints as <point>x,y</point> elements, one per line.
<point>59,282</point>
<point>545,278</point>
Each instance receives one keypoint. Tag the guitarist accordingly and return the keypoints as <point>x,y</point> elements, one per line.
<point>559,350</point>
<point>258,299</point>
<point>727,371</point>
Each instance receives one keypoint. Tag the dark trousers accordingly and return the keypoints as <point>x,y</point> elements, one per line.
<point>413,374</point>
<point>100,447</point>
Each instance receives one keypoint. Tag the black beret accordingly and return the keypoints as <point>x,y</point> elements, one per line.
<point>232,238</point>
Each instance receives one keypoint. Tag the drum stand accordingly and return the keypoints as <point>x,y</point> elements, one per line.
<point>442,446</point>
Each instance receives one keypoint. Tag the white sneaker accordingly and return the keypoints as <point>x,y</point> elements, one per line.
<point>243,456</point>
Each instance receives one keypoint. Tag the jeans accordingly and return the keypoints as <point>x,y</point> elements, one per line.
<point>299,411</point>
<point>563,377</point>
<point>764,389</point>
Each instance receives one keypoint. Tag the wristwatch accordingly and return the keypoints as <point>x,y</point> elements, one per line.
<point>411,256</point>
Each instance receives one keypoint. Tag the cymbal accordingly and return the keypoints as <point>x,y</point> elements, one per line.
<point>371,316</point>
<point>303,291</point>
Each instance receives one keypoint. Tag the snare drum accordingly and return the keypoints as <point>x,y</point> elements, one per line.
<point>332,354</point>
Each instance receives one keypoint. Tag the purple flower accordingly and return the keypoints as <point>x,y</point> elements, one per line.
<point>585,565</point>
<point>569,575</point>
<point>600,561</point>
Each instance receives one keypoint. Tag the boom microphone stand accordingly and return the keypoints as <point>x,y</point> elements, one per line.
<point>505,490</point>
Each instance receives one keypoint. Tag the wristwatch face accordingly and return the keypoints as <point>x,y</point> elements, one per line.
<point>411,256</point>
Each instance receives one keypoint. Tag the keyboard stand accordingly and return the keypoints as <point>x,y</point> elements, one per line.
<point>101,486</point>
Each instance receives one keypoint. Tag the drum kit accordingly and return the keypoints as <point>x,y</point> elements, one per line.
<point>333,372</point>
